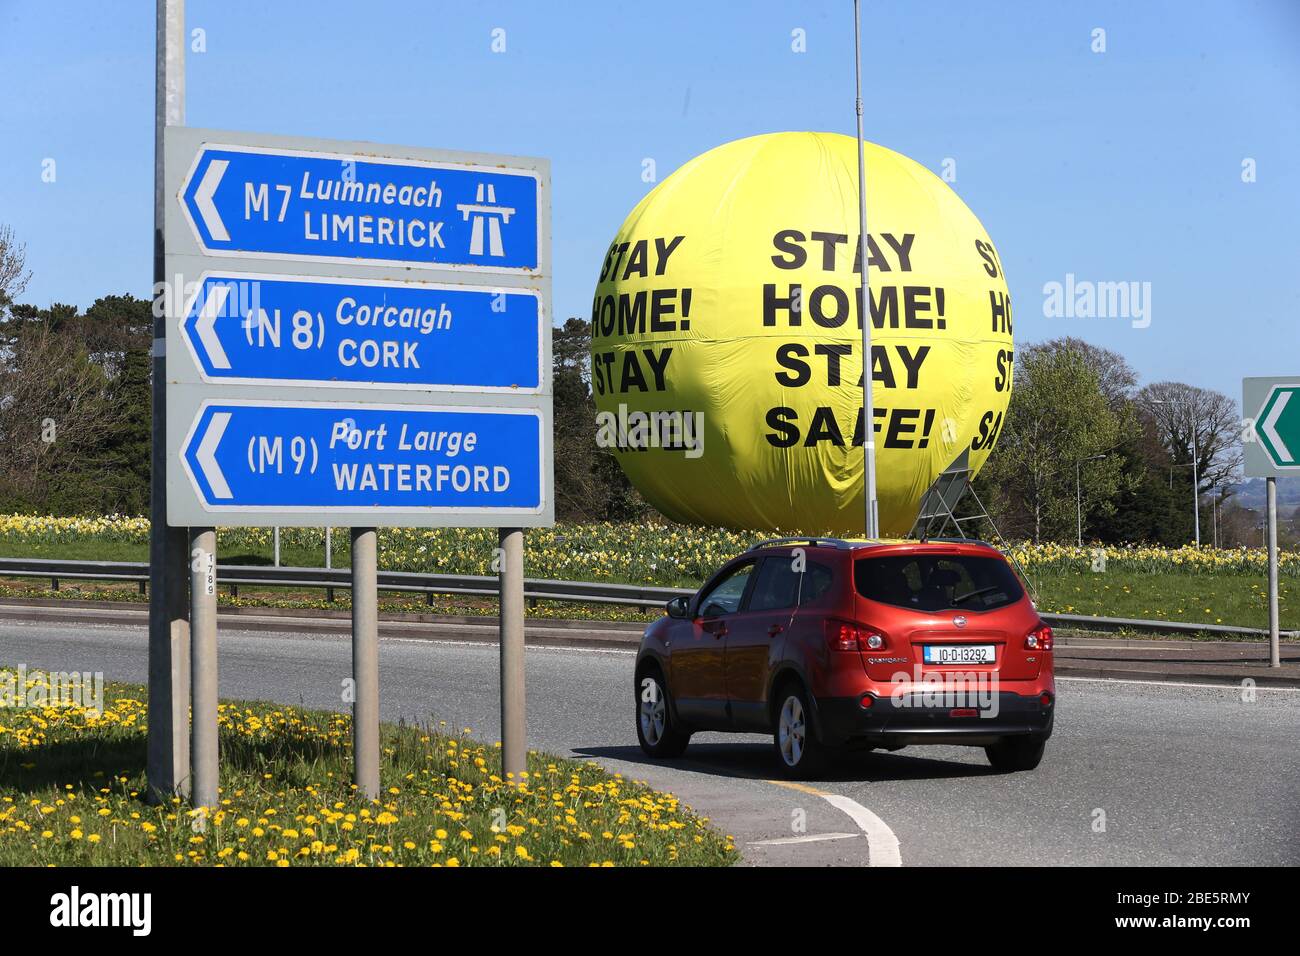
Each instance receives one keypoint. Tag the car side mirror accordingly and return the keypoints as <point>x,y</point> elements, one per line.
<point>677,607</point>
<point>713,609</point>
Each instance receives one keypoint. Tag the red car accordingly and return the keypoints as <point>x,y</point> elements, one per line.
<point>831,645</point>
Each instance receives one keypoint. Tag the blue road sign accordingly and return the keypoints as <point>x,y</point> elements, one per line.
<point>318,457</point>
<point>333,207</point>
<point>311,330</point>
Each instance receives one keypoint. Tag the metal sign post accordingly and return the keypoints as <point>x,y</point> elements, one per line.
<point>365,662</point>
<point>1274,643</point>
<point>168,750</point>
<point>203,660</point>
<point>514,752</point>
<point>1271,449</point>
<point>364,341</point>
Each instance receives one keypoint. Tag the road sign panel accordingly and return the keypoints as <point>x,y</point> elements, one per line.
<point>279,202</point>
<point>1278,426</point>
<point>418,302</point>
<point>316,458</point>
<point>1271,438</point>
<point>255,328</point>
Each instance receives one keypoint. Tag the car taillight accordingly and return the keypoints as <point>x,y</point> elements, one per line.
<point>849,636</point>
<point>1039,639</point>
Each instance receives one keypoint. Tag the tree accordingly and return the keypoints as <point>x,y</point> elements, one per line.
<point>113,327</point>
<point>13,269</point>
<point>1115,377</point>
<point>55,409</point>
<point>1058,416</point>
<point>589,483</point>
<point>128,441</point>
<point>1187,417</point>
<point>1146,507</point>
<point>75,414</point>
<point>571,349</point>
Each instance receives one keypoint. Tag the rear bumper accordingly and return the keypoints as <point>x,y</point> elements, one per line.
<point>916,720</point>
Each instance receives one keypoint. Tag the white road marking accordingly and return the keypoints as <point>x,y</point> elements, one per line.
<point>882,844</point>
<point>807,838</point>
<point>528,647</point>
<point>1176,683</point>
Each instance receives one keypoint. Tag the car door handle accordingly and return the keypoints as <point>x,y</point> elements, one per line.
<point>774,630</point>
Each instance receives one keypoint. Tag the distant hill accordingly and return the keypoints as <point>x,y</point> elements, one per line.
<point>1250,493</point>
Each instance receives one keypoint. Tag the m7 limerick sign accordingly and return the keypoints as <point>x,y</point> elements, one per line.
<point>277,203</point>
<point>1272,433</point>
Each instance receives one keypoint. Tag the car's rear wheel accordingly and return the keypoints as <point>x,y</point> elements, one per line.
<point>799,752</point>
<point>1016,753</point>
<point>656,730</point>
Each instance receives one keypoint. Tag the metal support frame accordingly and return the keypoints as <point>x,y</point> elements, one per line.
<point>938,512</point>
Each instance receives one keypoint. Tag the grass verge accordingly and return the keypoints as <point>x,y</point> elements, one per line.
<point>1189,598</point>
<point>1198,586</point>
<point>72,782</point>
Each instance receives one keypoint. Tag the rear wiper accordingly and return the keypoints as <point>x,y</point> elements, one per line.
<point>976,593</point>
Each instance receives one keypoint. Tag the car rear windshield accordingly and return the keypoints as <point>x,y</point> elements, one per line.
<point>938,582</point>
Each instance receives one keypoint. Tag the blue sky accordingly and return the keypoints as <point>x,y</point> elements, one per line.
<point>1117,166</point>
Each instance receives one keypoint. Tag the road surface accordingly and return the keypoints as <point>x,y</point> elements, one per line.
<point>1136,773</point>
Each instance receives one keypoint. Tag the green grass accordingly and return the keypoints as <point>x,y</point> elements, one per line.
<point>1190,598</point>
<point>1186,598</point>
<point>1196,587</point>
<point>71,784</point>
<point>93,549</point>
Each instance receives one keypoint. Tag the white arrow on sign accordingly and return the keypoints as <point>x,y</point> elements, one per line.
<point>1270,426</point>
<point>206,326</point>
<point>203,199</point>
<point>207,455</point>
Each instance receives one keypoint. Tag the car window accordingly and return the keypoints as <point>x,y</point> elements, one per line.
<point>817,580</point>
<point>937,582</point>
<point>726,595</point>
<point>777,585</point>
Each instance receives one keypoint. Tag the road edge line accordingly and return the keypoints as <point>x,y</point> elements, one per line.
<point>882,844</point>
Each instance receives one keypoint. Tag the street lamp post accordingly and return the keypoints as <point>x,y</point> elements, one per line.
<point>871,517</point>
<point>1196,480</point>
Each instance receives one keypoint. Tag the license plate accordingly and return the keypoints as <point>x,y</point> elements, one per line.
<point>959,654</point>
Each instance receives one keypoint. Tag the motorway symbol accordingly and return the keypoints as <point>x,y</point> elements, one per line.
<point>262,202</point>
<point>272,329</point>
<point>1278,426</point>
<point>314,458</point>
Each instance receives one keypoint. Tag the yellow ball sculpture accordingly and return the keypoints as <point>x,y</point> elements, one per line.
<point>727,346</point>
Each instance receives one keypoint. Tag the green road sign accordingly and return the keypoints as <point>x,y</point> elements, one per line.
<point>1277,426</point>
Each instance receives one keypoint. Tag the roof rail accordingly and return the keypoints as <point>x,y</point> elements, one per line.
<point>964,541</point>
<point>810,542</point>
